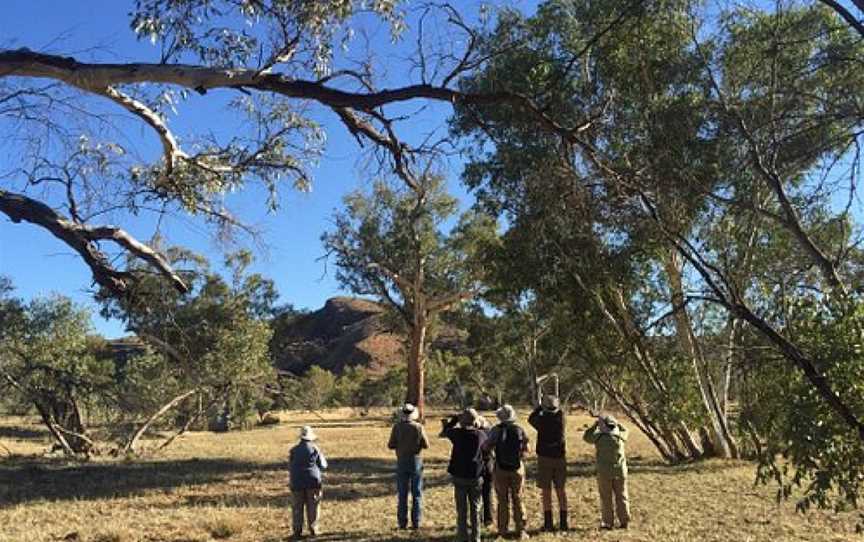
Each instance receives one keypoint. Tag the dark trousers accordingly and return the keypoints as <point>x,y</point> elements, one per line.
<point>467,494</point>
<point>486,491</point>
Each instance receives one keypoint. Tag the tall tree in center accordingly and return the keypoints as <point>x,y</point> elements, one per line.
<point>401,245</point>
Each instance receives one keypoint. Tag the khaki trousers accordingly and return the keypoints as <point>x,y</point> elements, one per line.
<point>310,499</point>
<point>509,487</point>
<point>613,491</point>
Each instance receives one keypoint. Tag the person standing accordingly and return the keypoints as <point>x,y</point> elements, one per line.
<point>510,443</point>
<point>548,420</point>
<point>306,463</point>
<point>488,472</point>
<point>608,436</point>
<point>466,469</point>
<point>408,439</point>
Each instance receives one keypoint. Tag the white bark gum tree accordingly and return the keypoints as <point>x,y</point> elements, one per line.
<point>360,112</point>
<point>723,441</point>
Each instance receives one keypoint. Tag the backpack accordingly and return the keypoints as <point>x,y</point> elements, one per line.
<point>508,449</point>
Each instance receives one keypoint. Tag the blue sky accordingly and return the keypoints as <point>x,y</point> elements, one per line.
<point>39,264</point>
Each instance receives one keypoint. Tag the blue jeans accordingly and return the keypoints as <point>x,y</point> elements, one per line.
<point>409,475</point>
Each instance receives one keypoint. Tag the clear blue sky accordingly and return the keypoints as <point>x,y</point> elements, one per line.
<point>39,264</point>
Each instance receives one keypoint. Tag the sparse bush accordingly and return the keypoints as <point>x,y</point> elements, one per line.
<point>269,418</point>
<point>224,527</point>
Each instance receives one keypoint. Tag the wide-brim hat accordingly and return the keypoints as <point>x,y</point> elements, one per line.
<point>409,412</point>
<point>506,414</point>
<point>307,433</point>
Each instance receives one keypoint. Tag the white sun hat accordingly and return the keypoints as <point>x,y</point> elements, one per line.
<point>506,414</point>
<point>307,433</point>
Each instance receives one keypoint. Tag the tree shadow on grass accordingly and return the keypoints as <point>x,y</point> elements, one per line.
<point>682,469</point>
<point>31,479</point>
<point>362,535</point>
<point>22,433</point>
<point>24,480</point>
<point>346,479</point>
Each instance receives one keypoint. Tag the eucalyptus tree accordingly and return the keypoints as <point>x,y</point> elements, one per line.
<point>274,63</point>
<point>726,162</point>
<point>394,243</point>
<point>46,364</point>
<point>209,347</point>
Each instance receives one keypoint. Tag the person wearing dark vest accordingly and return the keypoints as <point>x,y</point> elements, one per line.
<point>306,463</point>
<point>488,473</point>
<point>510,443</point>
<point>466,470</point>
<point>548,420</point>
<point>408,439</point>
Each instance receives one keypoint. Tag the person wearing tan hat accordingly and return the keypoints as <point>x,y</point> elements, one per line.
<point>466,470</point>
<point>548,420</point>
<point>408,439</point>
<point>510,443</point>
<point>608,436</point>
<point>306,463</point>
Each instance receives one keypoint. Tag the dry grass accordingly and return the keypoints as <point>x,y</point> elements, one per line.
<point>234,487</point>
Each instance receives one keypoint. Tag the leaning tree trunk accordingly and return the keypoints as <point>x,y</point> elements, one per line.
<point>132,443</point>
<point>722,440</point>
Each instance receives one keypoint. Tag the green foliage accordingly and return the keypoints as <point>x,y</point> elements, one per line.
<point>803,441</point>
<point>214,339</point>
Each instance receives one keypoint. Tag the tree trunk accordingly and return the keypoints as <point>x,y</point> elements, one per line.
<point>722,440</point>
<point>417,363</point>
<point>133,442</point>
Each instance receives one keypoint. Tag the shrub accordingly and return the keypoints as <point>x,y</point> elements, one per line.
<point>224,527</point>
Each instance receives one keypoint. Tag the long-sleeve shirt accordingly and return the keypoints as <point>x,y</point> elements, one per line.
<point>466,457</point>
<point>306,463</point>
<point>551,439</point>
<point>611,456</point>
<point>407,438</point>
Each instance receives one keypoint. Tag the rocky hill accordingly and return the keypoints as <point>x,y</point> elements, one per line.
<point>346,332</point>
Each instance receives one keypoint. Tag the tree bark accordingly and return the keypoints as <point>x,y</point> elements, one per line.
<point>83,238</point>
<point>722,440</point>
<point>133,441</point>
<point>417,363</point>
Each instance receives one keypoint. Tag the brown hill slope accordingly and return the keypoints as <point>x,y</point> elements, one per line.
<point>346,332</point>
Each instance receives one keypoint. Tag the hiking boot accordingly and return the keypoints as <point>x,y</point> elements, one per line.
<point>522,535</point>
<point>548,526</point>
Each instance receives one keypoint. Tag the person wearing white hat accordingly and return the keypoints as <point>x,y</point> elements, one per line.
<point>408,439</point>
<point>510,443</point>
<point>306,463</point>
<point>609,436</point>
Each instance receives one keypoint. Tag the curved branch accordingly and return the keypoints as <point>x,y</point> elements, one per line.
<point>96,77</point>
<point>82,239</point>
<point>169,143</point>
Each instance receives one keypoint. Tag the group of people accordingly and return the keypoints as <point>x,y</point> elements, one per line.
<point>483,457</point>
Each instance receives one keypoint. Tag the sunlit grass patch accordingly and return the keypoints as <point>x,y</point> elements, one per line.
<point>235,485</point>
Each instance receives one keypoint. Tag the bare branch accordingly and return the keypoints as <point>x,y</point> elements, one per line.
<point>82,239</point>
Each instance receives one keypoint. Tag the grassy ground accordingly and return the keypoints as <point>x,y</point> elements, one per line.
<point>234,487</point>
